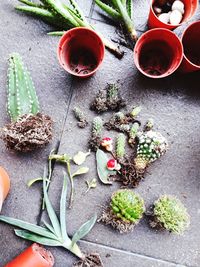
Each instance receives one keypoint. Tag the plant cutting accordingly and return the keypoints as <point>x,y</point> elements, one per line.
<point>95,139</point>
<point>81,117</point>
<point>63,17</point>
<point>122,12</point>
<point>125,210</point>
<point>54,233</point>
<point>169,214</point>
<point>35,255</point>
<point>4,185</point>
<point>29,129</point>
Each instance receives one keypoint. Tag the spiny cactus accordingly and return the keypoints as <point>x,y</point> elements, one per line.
<point>151,146</point>
<point>133,133</point>
<point>81,117</point>
<point>95,140</point>
<point>125,211</point>
<point>149,125</point>
<point>120,146</point>
<point>28,128</point>
<point>135,111</point>
<point>170,214</point>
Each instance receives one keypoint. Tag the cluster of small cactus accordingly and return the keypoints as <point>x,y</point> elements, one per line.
<point>169,213</point>
<point>28,129</point>
<point>95,140</point>
<point>81,117</point>
<point>151,146</point>
<point>120,146</point>
<point>108,99</point>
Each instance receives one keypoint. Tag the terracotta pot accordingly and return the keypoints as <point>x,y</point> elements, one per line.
<point>4,185</point>
<point>33,256</point>
<point>81,52</point>
<point>154,22</point>
<point>158,53</point>
<point>191,45</point>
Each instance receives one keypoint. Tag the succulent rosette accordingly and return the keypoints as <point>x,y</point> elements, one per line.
<point>151,146</point>
<point>125,211</point>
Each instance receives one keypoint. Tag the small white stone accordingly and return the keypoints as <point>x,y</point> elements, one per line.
<point>178,5</point>
<point>164,17</point>
<point>175,17</point>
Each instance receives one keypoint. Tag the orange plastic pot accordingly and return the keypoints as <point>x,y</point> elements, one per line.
<point>191,45</point>
<point>33,256</point>
<point>81,52</point>
<point>154,22</point>
<point>158,53</point>
<point>4,185</point>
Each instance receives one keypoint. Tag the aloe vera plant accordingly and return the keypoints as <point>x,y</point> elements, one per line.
<point>122,12</point>
<point>28,129</point>
<point>63,17</point>
<point>54,233</point>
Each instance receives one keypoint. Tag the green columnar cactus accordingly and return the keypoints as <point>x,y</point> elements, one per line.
<point>28,129</point>
<point>151,146</point>
<point>135,111</point>
<point>81,117</point>
<point>127,205</point>
<point>120,146</point>
<point>95,139</point>
<point>133,133</point>
<point>171,214</point>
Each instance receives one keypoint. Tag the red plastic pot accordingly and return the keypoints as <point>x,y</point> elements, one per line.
<point>33,256</point>
<point>81,52</point>
<point>154,22</point>
<point>4,185</point>
<point>191,45</point>
<point>158,53</point>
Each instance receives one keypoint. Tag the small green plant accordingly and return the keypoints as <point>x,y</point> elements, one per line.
<point>133,133</point>
<point>81,117</point>
<point>125,211</point>
<point>122,12</point>
<point>55,234</point>
<point>28,129</point>
<point>169,213</point>
<point>63,17</point>
<point>96,134</point>
<point>120,146</point>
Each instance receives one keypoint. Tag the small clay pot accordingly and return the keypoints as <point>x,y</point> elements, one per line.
<point>81,52</point>
<point>158,53</point>
<point>154,22</point>
<point>33,256</point>
<point>4,185</point>
<point>191,46</point>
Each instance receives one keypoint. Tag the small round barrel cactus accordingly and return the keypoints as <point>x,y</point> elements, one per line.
<point>151,146</point>
<point>169,213</point>
<point>28,129</point>
<point>125,211</point>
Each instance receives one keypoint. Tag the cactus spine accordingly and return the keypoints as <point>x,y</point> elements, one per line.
<point>22,98</point>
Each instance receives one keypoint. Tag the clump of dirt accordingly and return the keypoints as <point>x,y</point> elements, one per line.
<point>108,99</point>
<point>90,260</point>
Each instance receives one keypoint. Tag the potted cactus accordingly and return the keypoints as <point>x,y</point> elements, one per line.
<point>29,129</point>
<point>170,214</point>
<point>125,210</point>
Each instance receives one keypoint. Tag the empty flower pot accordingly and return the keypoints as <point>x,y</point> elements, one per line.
<point>33,256</point>
<point>4,185</point>
<point>158,53</point>
<point>191,46</point>
<point>190,6</point>
<point>81,52</point>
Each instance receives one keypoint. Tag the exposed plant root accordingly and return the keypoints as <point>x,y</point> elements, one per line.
<point>94,143</point>
<point>29,132</point>
<point>153,221</point>
<point>90,260</point>
<point>109,218</point>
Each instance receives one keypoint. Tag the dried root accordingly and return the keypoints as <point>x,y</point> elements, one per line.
<point>90,260</point>
<point>29,132</point>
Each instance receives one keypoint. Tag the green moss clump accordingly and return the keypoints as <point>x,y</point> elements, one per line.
<point>127,205</point>
<point>172,214</point>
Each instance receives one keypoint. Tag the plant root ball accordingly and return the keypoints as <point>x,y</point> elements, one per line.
<point>28,133</point>
<point>90,260</point>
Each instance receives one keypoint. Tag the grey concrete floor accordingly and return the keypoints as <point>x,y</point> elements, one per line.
<point>174,105</point>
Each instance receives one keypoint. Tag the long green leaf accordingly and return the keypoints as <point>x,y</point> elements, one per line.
<point>29,3</point>
<point>80,171</point>
<point>129,6</point>
<point>57,33</point>
<point>63,209</point>
<point>84,229</point>
<point>48,226</point>
<point>108,9</point>
<point>51,213</point>
<point>28,226</point>
<point>37,238</point>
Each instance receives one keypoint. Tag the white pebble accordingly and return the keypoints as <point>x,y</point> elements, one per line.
<point>164,17</point>
<point>178,5</point>
<point>175,17</point>
<point>157,10</point>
